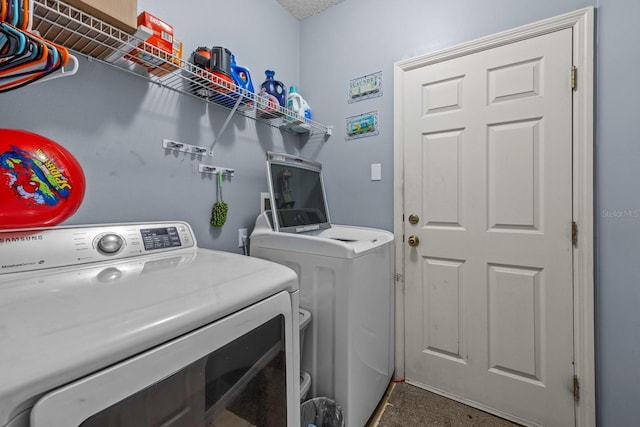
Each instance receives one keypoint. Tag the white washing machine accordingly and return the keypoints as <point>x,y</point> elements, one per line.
<point>346,282</point>
<point>133,325</point>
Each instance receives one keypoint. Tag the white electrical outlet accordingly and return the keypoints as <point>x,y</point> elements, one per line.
<point>242,235</point>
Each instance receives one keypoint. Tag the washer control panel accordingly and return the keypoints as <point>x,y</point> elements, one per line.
<point>40,248</point>
<point>160,238</point>
<point>110,244</point>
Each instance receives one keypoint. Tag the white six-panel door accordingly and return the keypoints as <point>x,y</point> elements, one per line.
<point>488,173</point>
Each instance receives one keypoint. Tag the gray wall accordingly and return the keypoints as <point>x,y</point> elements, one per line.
<point>360,37</point>
<point>114,124</point>
<point>618,214</point>
<point>335,49</point>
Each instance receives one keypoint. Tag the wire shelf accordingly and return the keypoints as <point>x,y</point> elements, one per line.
<point>95,39</point>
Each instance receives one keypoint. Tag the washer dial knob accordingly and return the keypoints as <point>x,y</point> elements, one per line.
<point>110,244</point>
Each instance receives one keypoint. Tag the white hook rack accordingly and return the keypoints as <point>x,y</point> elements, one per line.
<point>215,169</point>
<point>170,144</point>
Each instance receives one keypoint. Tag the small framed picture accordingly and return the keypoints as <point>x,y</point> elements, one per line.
<point>362,125</point>
<point>365,87</point>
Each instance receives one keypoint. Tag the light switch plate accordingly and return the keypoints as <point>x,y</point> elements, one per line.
<point>376,172</point>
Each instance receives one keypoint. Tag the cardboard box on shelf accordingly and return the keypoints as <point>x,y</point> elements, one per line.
<point>177,52</point>
<point>157,52</point>
<point>162,37</point>
<point>119,13</point>
<point>84,36</point>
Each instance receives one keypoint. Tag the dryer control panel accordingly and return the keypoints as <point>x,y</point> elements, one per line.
<point>40,248</point>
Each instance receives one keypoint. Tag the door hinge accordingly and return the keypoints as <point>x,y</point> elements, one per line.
<point>574,233</point>
<point>576,388</point>
<point>574,77</point>
<point>399,277</point>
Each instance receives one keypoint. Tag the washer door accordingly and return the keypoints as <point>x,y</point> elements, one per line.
<point>228,371</point>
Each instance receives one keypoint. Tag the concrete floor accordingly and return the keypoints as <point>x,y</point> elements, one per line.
<point>405,405</point>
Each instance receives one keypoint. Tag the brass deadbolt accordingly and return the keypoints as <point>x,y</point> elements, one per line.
<point>414,219</point>
<point>414,241</point>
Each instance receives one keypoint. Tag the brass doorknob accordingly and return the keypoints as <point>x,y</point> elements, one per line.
<point>414,219</point>
<point>414,241</point>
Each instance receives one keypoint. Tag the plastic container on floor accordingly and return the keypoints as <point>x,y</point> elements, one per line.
<point>321,412</point>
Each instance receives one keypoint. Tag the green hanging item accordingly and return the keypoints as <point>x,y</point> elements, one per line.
<point>220,207</point>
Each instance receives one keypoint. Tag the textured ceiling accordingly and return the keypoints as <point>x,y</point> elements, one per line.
<point>302,9</point>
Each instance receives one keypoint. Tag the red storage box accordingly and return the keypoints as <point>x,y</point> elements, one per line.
<point>162,37</point>
<point>159,44</point>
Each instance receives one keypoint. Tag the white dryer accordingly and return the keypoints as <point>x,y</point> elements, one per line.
<point>346,282</point>
<point>134,325</point>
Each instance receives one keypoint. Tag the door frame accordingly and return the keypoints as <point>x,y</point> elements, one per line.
<point>582,22</point>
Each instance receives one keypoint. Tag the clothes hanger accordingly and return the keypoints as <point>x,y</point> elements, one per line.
<point>3,10</point>
<point>15,41</point>
<point>41,61</point>
<point>25,57</point>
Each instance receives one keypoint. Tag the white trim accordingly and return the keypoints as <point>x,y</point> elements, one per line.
<point>582,24</point>
<point>398,221</point>
<point>583,208</point>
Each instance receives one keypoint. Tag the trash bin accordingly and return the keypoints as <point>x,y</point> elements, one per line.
<point>321,412</point>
